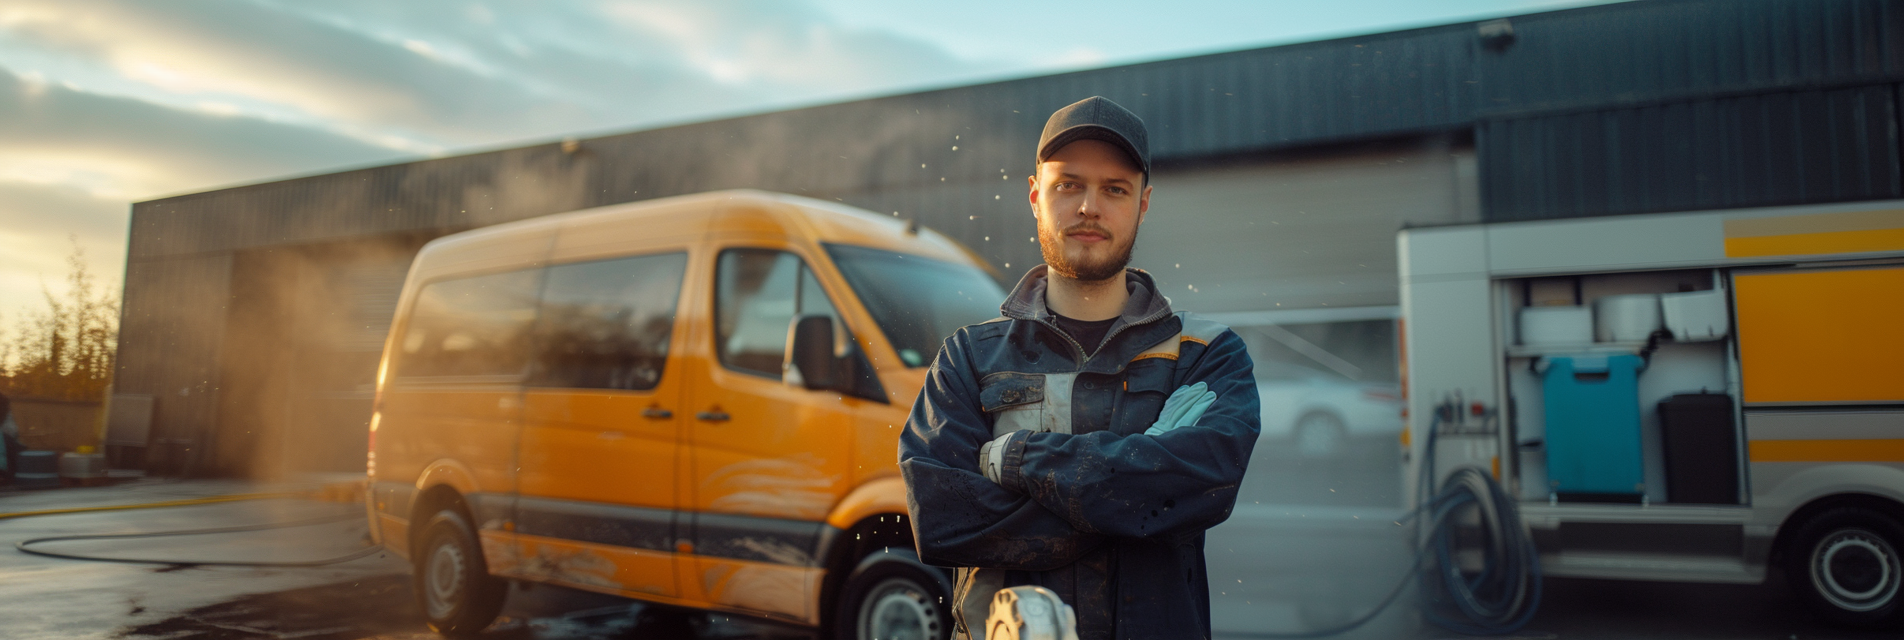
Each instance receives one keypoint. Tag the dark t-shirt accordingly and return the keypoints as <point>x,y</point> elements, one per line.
<point>1089,333</point>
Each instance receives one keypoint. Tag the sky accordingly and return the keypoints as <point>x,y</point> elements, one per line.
<point>108,102</point>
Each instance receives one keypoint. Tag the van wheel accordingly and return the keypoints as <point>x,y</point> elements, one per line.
<point>894,599</point>
<point>452,582</point>
<point>1844,563</point>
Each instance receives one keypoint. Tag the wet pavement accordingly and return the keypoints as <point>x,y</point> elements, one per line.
<point>181,598</point>
<point>1274,568</point>
<point>382,608</point>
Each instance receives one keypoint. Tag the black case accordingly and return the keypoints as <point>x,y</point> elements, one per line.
<point>1701,447</point>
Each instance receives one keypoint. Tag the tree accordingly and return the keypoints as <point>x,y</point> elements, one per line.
<point>66,351</point>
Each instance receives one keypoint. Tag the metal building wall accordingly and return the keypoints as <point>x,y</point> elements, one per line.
<point>1747,151</point>
<point>1669,106</point>
<point>172,333</point>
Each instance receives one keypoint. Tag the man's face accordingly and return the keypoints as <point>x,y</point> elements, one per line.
<point>1089,199</point>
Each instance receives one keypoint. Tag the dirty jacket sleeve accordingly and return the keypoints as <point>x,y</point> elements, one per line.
<point>1178,483</point>
<point>959,517</point>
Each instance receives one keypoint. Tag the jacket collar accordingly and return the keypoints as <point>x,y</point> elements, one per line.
<point>1146,304</point>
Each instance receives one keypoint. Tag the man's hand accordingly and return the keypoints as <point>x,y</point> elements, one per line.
<point>1184,407</point>
<point>991,458</point>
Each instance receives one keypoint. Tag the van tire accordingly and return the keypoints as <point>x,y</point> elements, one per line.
<point>1847,564</point>
<point>451,579</point>
<point>893,595</point>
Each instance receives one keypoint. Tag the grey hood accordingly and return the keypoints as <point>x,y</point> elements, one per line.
<point>1146,304</point>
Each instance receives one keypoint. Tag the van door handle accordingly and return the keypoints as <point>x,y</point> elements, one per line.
<point>713,416</point>
<point>657,413</point>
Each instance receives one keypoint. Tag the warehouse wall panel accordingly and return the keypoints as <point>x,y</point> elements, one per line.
<point>169,344</point>
<point>1827,145</point>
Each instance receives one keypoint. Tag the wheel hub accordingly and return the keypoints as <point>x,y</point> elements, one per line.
<point>897,610</point>
<point>443,579</point>
<point>1856,570</point>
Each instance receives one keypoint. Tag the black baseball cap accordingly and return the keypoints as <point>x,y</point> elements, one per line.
<point>1097,118</point>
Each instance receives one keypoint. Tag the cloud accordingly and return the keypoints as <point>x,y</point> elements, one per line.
<point>783,45</point>
<point>103,102</point>
<point>72,162</point>
<point>129,149</point>
<point>433,75</point>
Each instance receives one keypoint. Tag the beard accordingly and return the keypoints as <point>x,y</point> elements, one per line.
<point>1051,243</point>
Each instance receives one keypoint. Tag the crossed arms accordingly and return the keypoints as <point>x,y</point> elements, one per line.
<point>1059,496</point>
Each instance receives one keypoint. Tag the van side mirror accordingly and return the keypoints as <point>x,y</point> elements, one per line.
<point>811,354</point>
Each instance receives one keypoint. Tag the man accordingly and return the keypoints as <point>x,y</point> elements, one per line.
<point>1043,451</point>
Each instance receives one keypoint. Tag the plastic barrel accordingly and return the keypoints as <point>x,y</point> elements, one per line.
<point>38,470</point>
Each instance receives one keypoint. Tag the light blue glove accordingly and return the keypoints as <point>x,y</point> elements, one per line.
<point>1184,407</point>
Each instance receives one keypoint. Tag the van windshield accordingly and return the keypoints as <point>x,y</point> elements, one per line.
<point>918,302</point>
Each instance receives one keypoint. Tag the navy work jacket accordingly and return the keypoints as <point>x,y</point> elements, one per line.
<point>1110,519</point>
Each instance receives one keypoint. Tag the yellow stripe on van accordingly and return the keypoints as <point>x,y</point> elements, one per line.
<point>1891,450</point>
<point>1816,243</point>
<point>1815,234</point>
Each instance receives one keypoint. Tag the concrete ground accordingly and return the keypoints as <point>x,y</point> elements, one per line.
<point>1274,568</point>
<point>53,598</point>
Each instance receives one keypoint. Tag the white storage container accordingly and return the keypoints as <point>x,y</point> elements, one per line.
<point>1547,326</point>
<point>1626,318</point>
<point>1696,316</point>
<point>82,466</point>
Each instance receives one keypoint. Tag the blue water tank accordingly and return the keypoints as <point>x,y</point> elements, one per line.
<point>1593,425</point>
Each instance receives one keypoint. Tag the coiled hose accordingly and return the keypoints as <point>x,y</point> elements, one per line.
<point>26,546</point>
<point>1498,599</point>
<point>1505,593</point>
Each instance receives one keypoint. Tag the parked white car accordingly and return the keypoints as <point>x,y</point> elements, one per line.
<point>1320,411</point>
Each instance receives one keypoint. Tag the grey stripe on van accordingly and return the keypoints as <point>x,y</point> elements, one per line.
<point>791,542</point>
<point>622,526</point>
<point>774,540</point>
<point>1825,423</point>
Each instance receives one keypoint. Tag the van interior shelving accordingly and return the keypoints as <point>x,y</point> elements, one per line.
<point>1597,430</point>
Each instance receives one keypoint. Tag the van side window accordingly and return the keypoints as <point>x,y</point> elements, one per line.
<point>757,294</point>
<point>475,326</point>
<point>605,324</point>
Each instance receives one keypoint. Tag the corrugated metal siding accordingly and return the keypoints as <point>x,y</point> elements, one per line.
<point>1662,51</point>
<point>1760,150</point>
<point>172,324</point>
<point>1665,106</point>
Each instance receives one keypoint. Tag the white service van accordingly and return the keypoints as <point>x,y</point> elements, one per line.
<point>1682,397</point>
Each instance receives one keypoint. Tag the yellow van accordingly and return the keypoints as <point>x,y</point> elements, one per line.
<point>693,401</point>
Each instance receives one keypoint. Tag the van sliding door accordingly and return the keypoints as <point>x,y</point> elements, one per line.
<point>601,426</point>
<point>770,458</point>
